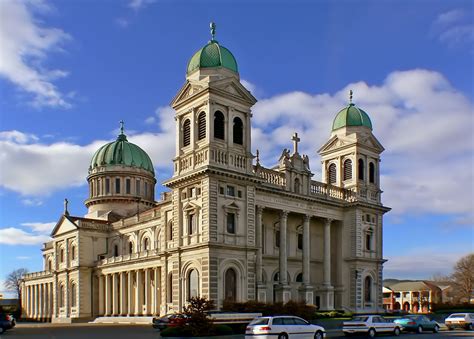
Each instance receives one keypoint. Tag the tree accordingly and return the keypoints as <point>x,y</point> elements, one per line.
<point>198,321</point>
<point>463,277</point>
<point>13,281</point>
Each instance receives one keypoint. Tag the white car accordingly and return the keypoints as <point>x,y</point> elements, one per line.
<point>283,327</point>
<point>464,320</point>
<point>370,325</point>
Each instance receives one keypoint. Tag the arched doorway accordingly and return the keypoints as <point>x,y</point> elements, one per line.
<point>406,306</point>
<point>396,306</point>
<point>416,307</point>
<point>230,285</point>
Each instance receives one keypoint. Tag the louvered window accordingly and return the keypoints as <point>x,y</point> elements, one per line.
<point>332,173</point>
<point>219,125</point>
<point>202,126</point>
<point>361,169</point>
<point>238,131</point>
<point>187,132</point>
<point>371,172</point>
<point>347,169</point>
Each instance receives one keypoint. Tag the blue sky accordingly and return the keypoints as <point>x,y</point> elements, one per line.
<point>70,70</point>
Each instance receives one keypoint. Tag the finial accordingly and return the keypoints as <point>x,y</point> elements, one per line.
<point>350,97</point>
<point>212,26</point>
<point>295,140</point>
<point>66,202</point>
<point>121,126</point>
<point>258,158</point>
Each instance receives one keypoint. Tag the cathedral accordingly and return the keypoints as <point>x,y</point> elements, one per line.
<point>227,228</point>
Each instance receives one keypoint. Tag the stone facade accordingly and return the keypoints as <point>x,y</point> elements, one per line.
<point>228,226</point>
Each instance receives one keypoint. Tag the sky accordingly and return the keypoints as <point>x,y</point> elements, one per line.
<point>71,70</point>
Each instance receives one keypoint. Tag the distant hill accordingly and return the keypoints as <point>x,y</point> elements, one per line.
<point>389,282</point>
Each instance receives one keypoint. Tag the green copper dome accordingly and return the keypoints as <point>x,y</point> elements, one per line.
<point>351,116</point>
<point>212,55</point>
<point>122,152</point>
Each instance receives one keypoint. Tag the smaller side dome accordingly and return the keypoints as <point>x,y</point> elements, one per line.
<point>122,152</point>
<point>351,116</point>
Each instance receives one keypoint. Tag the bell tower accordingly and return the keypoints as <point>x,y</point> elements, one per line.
<point>213,114</point>
<point>351,157</point>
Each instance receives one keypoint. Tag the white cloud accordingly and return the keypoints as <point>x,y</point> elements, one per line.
<point>15,236</point>
<point>122,22</point>
<point>139,4</point>
<point>21,257</point>
<point>40,227</point>
<point>454,27</point>
<point>422,263</point>
<point>32,202</point>
<point>25,45</point>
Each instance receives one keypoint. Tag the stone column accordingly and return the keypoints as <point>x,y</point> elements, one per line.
<point>123,293</point>
<point>306,250</point>
<point>130,293</point>
<point>107,295</point>
<point>27,304</point>
<point>36,298</point>
<point>261,287</point>
<point>66,296</point>
<point>157,291</point>
<point>101,295</point>
<point>327,291</point>
<point>147,292</point>
<point>139,294</point>
<point>115,300</point>
<point>51,300</point>
<point>283,246</point>
<point>327,253</point>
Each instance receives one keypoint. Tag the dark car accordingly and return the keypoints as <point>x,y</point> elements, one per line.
<point>5,322</point>
<point>169,320</point>
<point>417,323</point>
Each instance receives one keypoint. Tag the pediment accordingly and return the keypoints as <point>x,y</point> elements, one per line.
<point>334,143</point>
<point>235,88</point>
<point>189,206</point>
<point>64,225</point>
<point>372,142</point>
<point>188,90</point>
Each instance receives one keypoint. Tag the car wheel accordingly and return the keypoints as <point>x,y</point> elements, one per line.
<point>396,331</point>
<point>371,333</point>
<point>283,336</point>
<point>2,330</point>
<point>436,329</point>
<point>419,329</point>
<point>469,327</point>
<point>318,335</point>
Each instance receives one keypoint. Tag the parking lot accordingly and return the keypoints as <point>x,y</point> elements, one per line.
<point>90,331</point>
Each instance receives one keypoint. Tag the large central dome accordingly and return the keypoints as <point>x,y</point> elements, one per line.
<point>122,152</point>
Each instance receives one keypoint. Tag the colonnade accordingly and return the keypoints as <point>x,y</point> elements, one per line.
<point>130,293</point>
<point>285,295</point>
<point>37,300</point>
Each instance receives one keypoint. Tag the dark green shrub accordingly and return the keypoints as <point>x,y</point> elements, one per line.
<point>222,329</point>
<point>198,321</point>
<point>182,331</point>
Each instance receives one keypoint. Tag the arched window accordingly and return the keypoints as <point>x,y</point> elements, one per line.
<point>368,240</point>
<point>299,277</point>
<point>146,244</point>
<point>73,294</point>
<point>361,169</point>
<point>193,284</point>
<point>187,132</point>
<point>116,251</point>
<point>50,265</point>
<point>238,131</point>
<point>368,289</point>
<point>170,288</point>
<point>130,247</point>
<point>62,255</point>
<point>61,295</point>
<point>332,173</point>
<point>202,126</point>
<point>219,125</point>
<point>297,185</point>
<point>117,185</point>
<point>371,172</point>
<point>348,169</point>
<point>276,277</point>
<point>230,285</point>
<point>170,230</point>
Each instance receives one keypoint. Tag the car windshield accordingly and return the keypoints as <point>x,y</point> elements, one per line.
<point>363,319</point>
<point>457,315</point>
<point>259,321</point>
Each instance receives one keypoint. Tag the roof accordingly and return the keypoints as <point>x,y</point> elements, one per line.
<point>351,115</point>
<point>122,152</point>
<point>412,286</point>
<point>212,55</point>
